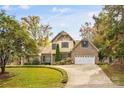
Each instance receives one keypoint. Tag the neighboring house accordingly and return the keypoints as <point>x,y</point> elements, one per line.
<point>81,52</point>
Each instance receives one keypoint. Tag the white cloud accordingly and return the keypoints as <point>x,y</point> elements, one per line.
<point>6,7</point>
<point>25,7</point>
<point>9,7</point>
<point>61,10</point>
<point>62,25</point>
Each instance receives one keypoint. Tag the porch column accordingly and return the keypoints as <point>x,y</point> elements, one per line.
<point>51,59</point>
<point>41,59</point>
<point>22,60</point>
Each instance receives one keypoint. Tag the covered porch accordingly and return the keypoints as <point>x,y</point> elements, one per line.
<point>50,58</point>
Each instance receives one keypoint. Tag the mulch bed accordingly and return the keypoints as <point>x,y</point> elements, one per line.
<point>6,75</point>
<point>118,66</point>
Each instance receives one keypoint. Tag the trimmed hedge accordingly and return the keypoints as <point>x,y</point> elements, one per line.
<point>64,74</point>
<point>101,63</point>
<point>34,61</point>
<point>62,71</point>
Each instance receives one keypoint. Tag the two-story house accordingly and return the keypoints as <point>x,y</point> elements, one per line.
<point>80,51</point>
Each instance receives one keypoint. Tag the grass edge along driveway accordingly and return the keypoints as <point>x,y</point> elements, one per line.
<point>116,77</point>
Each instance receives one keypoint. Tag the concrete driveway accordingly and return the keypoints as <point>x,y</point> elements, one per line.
<point>86,76</point>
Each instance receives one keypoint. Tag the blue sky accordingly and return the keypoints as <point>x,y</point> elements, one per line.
<point>61,17</point>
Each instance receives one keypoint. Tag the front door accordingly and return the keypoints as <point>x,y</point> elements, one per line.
<point>46,59</point>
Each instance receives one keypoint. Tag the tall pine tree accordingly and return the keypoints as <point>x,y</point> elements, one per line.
<point>58,55</point>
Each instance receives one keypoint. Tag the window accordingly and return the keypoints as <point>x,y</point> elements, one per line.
<point>84,43</point>
<point>64,44</point>
<point>53,46</point>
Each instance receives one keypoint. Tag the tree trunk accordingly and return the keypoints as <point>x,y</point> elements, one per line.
<point>3,64</point>
<point>2,70</point>
<point>3,67</point>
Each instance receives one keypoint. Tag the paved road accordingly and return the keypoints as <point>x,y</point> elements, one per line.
<point>86,76</point>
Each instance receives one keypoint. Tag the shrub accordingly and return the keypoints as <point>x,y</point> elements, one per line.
<point>66,61</point>
<point>28,63</point>
<point>35,61</point>
<point>45,63</point>
<point>101,63</point>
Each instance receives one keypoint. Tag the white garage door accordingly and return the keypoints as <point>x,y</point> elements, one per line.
<point>84,59</point>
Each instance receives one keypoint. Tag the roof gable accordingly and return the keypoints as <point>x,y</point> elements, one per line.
<point>89,43</point>
<point>61,34</point>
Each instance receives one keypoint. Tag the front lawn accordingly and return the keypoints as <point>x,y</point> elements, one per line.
<point>31,78</point>
<point>117,77</point>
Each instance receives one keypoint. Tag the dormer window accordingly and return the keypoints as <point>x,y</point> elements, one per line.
<point>53,46</point>
<point>84,44</point>
<point>64,44</point>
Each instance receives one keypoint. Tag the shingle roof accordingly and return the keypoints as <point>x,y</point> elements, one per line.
<point>62,32</point>
<point>78,42</point>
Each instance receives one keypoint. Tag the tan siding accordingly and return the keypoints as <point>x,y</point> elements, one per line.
<point>69,49</point>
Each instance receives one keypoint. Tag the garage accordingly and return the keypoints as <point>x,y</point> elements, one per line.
<point>85,53</point>
<point>84,59</point>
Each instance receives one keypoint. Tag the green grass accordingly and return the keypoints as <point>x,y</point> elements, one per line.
<point>32,78</point>
<point>117,77</point>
